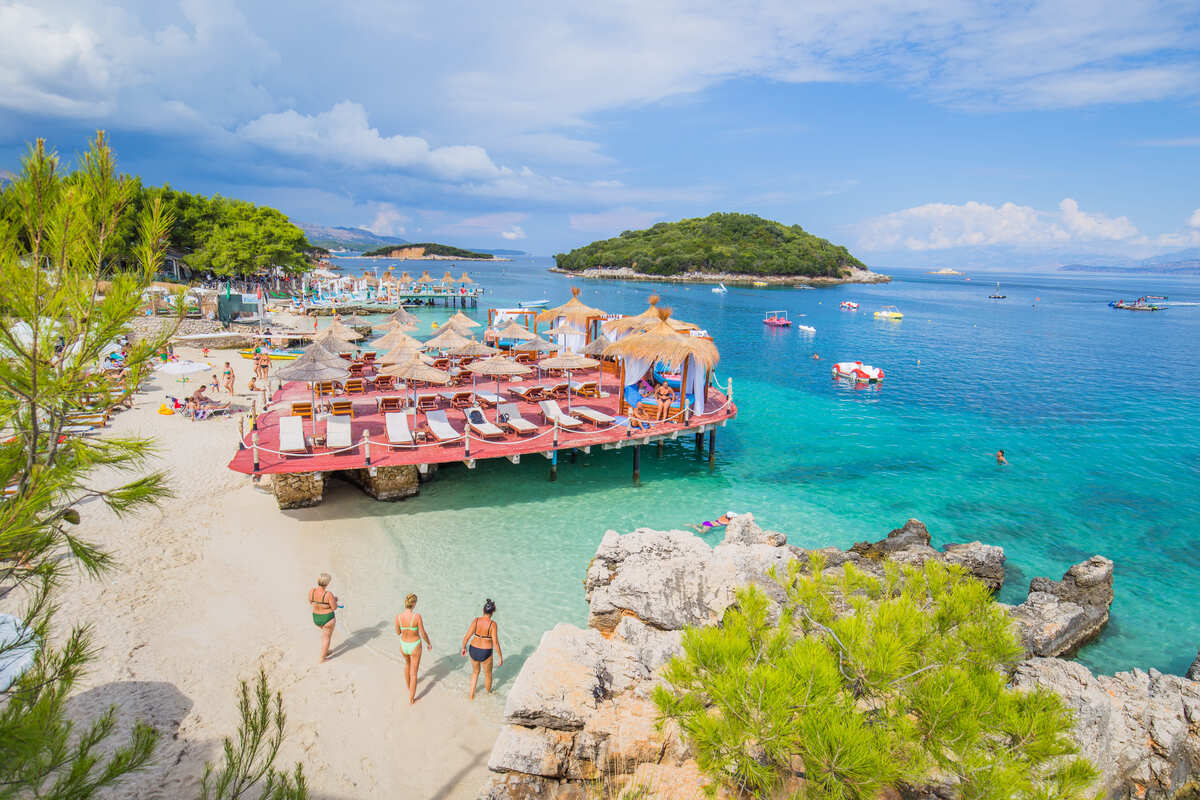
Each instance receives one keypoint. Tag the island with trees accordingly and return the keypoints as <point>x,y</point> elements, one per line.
<point>428,251</point>
<point>720,247</point>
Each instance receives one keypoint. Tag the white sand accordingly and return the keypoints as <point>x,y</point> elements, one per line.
<point>212,585</point>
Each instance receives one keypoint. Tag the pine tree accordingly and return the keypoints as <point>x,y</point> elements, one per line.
<point>863,683</point>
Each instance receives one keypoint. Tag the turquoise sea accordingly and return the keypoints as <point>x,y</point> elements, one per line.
<point>1098,411</point>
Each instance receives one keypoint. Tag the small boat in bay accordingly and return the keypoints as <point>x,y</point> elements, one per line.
<point>777,319</point>
<point>720,289</point>
<point>1141,304</point>
<point>759,284</point>
<point>806,328</point>
<point>996,294</point>
<point>857,371</point>
<point>888,312</point>
<point>849,305</point>
<point>533,303</point>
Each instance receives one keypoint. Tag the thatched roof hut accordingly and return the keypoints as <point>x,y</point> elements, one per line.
<point>573,311</point>
<point>661,343</point>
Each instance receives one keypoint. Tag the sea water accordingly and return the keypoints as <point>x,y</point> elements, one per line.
<point>1097,410</point>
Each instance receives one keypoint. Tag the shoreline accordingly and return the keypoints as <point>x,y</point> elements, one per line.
<point>856,276</point>
<point>431,258</point>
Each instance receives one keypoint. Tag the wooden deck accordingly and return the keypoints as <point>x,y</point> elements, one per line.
<point>547,441</point>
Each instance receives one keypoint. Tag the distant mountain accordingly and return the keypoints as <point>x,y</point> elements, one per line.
<point>498,252</point>
<point>1182,262</point>
<point>342,238</point>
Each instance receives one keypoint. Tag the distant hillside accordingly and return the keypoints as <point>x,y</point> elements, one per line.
<point>1183,262</point>
<point>417,250</point>
<point>742,244</point>
<point>339,238</point>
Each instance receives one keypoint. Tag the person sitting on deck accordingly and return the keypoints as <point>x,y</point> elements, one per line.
<point>664,395</point>
<point>639,419</point>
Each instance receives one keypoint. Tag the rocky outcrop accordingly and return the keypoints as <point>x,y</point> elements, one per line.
<point>1059,617</point>
<point>1193,672</point>
<point>984,561</point>
<point>1141,729</point>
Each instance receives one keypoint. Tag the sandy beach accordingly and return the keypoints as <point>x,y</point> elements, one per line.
<point>211,586</point>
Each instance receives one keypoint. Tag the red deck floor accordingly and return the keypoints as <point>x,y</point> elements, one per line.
<point>367,418</point>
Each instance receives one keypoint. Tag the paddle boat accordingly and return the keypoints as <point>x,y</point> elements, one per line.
<point>849,305</point>
<point>857,372</point>
<point>720,289</point>
<point>806,328</point>
<point>888,312</point>
<point>777,319</point>
<point>1141,304</point>
<point>760,284</point>
<point>276,355</point>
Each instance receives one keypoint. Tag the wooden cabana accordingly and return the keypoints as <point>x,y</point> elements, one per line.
<point>661,344</point>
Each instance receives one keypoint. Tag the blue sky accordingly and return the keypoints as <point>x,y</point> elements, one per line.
<point>911,131</point>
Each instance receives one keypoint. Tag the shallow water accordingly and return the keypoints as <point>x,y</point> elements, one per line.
<point>1096,409</point>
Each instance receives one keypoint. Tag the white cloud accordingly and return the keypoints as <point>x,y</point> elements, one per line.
<point>502,223</point>
<point>389,221</point>
<point>939,226</point>
<point>343,135</point>
<point>513,233</point>
<point>614,221</point>
<point>1194,220</point>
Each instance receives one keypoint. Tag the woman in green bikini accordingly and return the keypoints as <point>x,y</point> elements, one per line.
<point>323,603</point>
<point>411,630</point>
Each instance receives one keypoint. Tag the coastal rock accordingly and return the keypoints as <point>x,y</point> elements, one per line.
<point>984,561</point>
<point>1193,672</point>
<point>1059,617</point>
<point>742,529</point>
<point>516,786</point>
<point>1140,729</point>
<point>906,545</point>
<point>532,751</point>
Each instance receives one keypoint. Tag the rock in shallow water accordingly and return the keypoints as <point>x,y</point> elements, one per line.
<point>984,561</point>
<point>1059,617</point>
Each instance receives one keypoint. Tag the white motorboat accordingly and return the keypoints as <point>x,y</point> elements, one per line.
<point>720,289</point>
<point>806,329</point>
<point>533,303</point>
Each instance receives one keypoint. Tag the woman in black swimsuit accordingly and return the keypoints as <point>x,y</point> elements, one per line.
<point>481,638</point>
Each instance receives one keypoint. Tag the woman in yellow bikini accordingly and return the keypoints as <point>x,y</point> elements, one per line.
<point>324,603</point>
<point>411,630</point>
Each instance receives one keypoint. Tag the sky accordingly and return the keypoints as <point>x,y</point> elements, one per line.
<point>911,131</point>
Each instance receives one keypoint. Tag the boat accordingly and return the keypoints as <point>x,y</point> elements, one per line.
<point>801,286</point>
<point>1141,304</point>
<point>806,328</point>
<point>720,289</point>
<point>888,312</point>
<point>857,372</point>
<point>276,355</point>
<point>758,283</point>
<point>777,319</point>
<point>849,305</point>
<point>996,294</point>
<point>533,303</point>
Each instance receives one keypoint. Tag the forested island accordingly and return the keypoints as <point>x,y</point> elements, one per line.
<point>427,250</point>
<point>726,247</point>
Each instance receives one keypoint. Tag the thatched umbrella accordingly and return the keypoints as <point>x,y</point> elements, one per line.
<point>474,349</point>
<point>353,320</point>
<point>623,325</point>
<point>368,277</point>
<point>313,369</point>
<point>416,370</point>
<point>332,339</point>
<point>405,277</point>
<point>571,311</point>
<point>397,338</point>
<point>462,320</point>
<point>536,345</point>
<point>515,330</point>
<point>596,346</point>
<point>465,278</point>
<point>391,325</point>
<point>661,344</point>
<point>498,366</point>
<point>322,350</point>
<point>399,355</point>
<point>448,339</point>
<point>426,278</point>
<point>340,330</point>
<point>568,362</point>
<point>447,278</point>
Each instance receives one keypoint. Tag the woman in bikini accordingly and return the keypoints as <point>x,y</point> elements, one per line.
<point>664,395</point>
<point>324,604</point>
<point>228,374</point>
<point>482,638</point>
<point>411,630</point>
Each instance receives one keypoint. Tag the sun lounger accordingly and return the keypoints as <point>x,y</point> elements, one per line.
<point>356,386</point>
<point>304,410</point>
<point>480,426</point>
<point>337,432</point>
<point>204,412</point>
<point>291,435</point>
<point>385,383</point>
<point>440,427</point>
<point>327,388</point>
<point>341,408</point>
<point>462,400</point>
<point>427,402</point>
<point>510,417</point>
<point>586,389</point>
<point>385,404</point>
<point>593,416</point>
<point>551,412</point>
<point>488,398</point>
<point>397,428</point>
<point>558,390</point>
<point>530,394</point>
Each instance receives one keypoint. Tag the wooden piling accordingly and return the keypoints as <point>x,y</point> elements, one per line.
<point>637,464</point>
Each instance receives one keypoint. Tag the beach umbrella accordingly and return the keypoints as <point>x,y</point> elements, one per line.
<point>536,345</point>
<point>402,353</point>
<point>426,278</point>
<point>572,311</point>
<point>416,370</point>
<point>397,338</point>
<point>405,277</point>
<point>353,320</point>
<point>568,362</point>
<point>322,350</point>
<point>342,331</point>
<point>623,325</point>
<point>462,320</point>
<point>447,278</point>
<point>448,339</point>
<point>498,366</point>
<point>596,346</point>
<point>465,278</point>
<point>312,369</point>
<point>474,349</point>
<point>515,330</point>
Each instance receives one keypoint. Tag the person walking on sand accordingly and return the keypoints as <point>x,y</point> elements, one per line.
<point>482,637</point>
<point>411,630</point>
<point>324,603</point>
<point>228,375</point>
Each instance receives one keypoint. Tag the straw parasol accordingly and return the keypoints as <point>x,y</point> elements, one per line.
<point>474,349</point>
<point>536,345</point>
<point>340,330</point>
<point>515,330</point>
<point>633,323</point>
<point>416,370</point>
<point>568,362</point>
<point>312,369</point>
<point>426,278</point>
<point>497,366</point>
<point>331,339</point>
<point>353,320</point>
<point>462,319</point>
<point>402,353</point>
<point>397,338</point>
<point>596,346</point>
<point>392,325</point>
<point>320,350</point>
<point>447,278</point>
<point>405,277</point>
<point>367,277</point>
<point>571,311</point>
<point>448,339</point>
<point>465,278</point>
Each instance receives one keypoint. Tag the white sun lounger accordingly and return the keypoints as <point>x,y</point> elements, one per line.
<point>551,411</point>
<point>397,428</point>
<point>479,424</point>
<point>440,427</point>
<point>593,416</point>
<point>488,398</point>
<point>337,432</point>
<point>291,435</point>
<point>511,417</point>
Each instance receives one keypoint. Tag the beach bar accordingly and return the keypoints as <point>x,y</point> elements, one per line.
<point>389,431</point>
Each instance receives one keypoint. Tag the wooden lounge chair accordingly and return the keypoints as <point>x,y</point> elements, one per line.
<point>524,358</point>
<point>304,410</point>
<point>440,427</point>
<point>510,417</point>
<point>441,363</point>
<point>337,433</point>
<point>206,411</point>
<point>326,388</point>
<point>462,400</point>
<point>341,408</point>
<point>427,402</point>
<point>385,383</point>
<point>369,357</point>
<point>386,404</point>
<point>530,394</point>
<point>291,435</point>
<point>488,399</point>
<point>347,356</point>
<point>551,412</point>
<point>94,419</point>
<point>480,426</point>
<point>397,429</point>
<point>558,391</point>
<point>356,370</point>
<point>356,386</point>
<point>593,416</point>
<point>586,389</point>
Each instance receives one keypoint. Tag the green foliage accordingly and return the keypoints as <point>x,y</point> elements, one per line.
<point>742,244</point>
<point>864,683</point>
<point>246,239</point>
<point>57,238</point>
<point>250,758</point>
<point>431,249</point>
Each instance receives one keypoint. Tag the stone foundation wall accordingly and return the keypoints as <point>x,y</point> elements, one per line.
<point>298,489</point>
<point>388,483</point>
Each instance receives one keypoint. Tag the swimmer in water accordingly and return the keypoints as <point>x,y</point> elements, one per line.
<point>1000,459</point>
<point>719,522</point>
<point>816,356</point>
